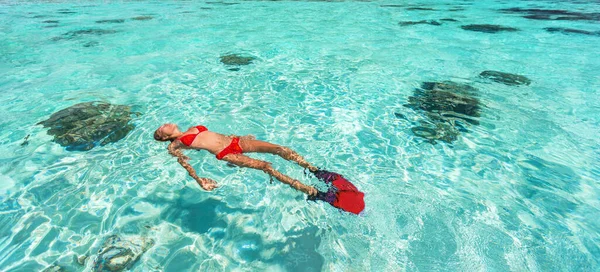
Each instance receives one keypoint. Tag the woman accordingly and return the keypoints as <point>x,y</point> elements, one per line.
<point>230,149</point>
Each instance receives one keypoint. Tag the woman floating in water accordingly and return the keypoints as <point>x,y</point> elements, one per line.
<point>230,149</point>
<point>342,194</point>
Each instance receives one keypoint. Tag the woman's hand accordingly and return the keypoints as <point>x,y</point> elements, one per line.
<point>207,184</point>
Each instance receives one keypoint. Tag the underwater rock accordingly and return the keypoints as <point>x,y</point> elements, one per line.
<point>26,140</point>
<point>553,14</point>
<point>448,99</point>
<point>81,259</point>
<point>400,116</point>
<point>53,268</point>
<point>571,31</point>
<point>222,3</point>
<point>392,6</point>
<point>91,44</point>
<point>118,254</point>
<point>488,28</point>
<point>422,22</point>
<point>537,17</point>
<point>505,78</point>
<point>86,125</point>
<point>83,32</point>
<point>447,106</point>
<point>234,59</point>
<point>111,21</point>
<point>419,8</point>
<point>142,18</point>
<point>65,11</point>
<point>438,132</point>
<point>50,23</point>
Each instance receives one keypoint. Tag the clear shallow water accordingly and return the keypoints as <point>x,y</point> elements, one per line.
<point>518,192</point>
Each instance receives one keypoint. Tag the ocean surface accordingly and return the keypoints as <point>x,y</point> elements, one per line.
<point>517,189</point>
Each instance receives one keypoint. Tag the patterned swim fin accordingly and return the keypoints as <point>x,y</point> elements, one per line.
<point>342,194</point>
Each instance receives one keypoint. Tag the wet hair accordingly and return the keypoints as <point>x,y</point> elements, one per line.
<point>158,137</point>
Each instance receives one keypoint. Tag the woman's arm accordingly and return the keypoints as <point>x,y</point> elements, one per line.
<point>205,183</point>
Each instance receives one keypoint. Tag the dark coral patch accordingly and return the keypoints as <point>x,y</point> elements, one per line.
<point>422,22</point>
<point>222,3</point>
<point>571,31</point>
<point>436,132</point>
<point>95,32</point>
<point>26,140</point>
<point>448,108</point>
<point>142,18</point>
<point>235,59</point>
<point>538,17</point>
<point>505,78</point>
<point>553,14</point>
<point>392,6</point>
<point>420,8</point>
<point>486,28</point>
<point>400,116</point>
<point>91,44</point>
<point>448,99</point>
<point>84,32</point>
<point>111,21</point>
<point>53,268</point>
<point>119,253</point>
<point>83,126</point>
<point>65,11</point>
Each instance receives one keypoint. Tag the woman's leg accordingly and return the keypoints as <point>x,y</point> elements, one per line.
<point>245,161</point>
<point>251,145</point>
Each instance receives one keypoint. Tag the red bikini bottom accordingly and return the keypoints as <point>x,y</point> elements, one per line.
<point>233,148</point>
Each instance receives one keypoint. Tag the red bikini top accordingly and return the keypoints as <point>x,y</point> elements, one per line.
<point>188,139</point>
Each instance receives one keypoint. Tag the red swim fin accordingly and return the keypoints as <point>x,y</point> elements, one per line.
<point>348,197</point>
<point>342,194</point>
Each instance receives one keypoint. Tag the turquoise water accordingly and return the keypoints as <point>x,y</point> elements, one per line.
<point>518,192</point>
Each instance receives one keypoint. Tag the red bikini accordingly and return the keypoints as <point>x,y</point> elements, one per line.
<point>189,138</point>
<point>233,148</point>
